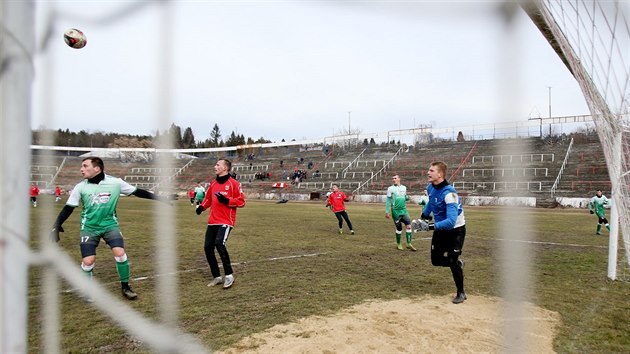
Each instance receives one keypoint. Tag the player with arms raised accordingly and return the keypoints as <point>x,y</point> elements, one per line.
<point>336,201</point>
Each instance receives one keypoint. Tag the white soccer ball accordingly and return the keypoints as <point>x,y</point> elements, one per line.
<point>74,38</point>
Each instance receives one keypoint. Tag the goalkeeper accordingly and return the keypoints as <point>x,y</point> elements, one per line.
<point>597,206</point>
<point>449,227</point>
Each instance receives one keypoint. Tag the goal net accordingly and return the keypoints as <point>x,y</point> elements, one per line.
<point>593,40</point>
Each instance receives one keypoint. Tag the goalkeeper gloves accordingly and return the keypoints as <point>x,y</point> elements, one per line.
<point>221,198</point>
<point>425,226</point>
<point>199,210</point>
<point>54,233</point>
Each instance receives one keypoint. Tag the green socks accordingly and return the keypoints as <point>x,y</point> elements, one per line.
<point>123,271</point>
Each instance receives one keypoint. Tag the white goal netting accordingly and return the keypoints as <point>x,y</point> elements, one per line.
<point>593,40</point>
<point>591,37</point>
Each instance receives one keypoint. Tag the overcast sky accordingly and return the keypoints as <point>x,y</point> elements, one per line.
<point>294,69</point>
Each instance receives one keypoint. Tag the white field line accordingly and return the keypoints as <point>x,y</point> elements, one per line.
<point>324,253</point>
<point>206,267</point>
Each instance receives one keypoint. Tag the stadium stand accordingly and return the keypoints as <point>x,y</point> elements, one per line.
<point>475,169</point>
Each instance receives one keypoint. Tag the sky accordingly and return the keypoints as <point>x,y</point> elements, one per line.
<point>293,69</point>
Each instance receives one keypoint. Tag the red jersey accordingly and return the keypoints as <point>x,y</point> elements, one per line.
<point>337,201</point>
<point>221,214</point>
<point>191,193</point>
<point>34,191</point>
<point>57,191</point>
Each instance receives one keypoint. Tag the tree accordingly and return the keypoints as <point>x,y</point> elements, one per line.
<point>215,135</point>
<point>235,139</point>
<point>175,133</point>
<point>188,140</point>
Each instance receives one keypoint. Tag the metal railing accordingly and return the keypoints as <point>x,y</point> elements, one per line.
<point>564,163</point>
<point>379,172</point>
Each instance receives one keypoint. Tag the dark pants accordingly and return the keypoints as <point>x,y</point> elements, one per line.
<point>446,247</point>
<point>343,214</point>
<point>216,237</point>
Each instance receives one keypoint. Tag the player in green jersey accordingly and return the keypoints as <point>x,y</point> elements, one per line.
<point>99,193</point>
<point>597,206</point>
<point>200,193</point>
<point>395,205</point>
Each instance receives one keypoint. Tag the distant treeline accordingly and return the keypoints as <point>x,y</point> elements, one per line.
<point>112,140</point>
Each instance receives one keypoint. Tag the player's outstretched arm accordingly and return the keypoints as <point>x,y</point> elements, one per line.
<point>145,194</point>
<point>64,214</point>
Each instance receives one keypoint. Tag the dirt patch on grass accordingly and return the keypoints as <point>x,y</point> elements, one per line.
<point>425,325</point>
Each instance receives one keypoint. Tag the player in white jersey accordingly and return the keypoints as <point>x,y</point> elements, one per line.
<point>99,193</point>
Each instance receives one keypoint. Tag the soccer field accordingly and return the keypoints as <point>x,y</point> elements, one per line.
<point>290,262</point>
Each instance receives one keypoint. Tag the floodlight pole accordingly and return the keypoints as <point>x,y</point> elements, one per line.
<point>549,87</point>
<point>349,122</point>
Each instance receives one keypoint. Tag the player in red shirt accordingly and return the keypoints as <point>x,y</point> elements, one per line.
<point>191,195</point>
<point>57,194</point>
<point>34,193</point>
<point>223,196</point>
<point>336,200</point>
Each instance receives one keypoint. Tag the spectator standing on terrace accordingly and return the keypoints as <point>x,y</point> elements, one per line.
<point>395,205</point>
<point>597,206</point>
<point>57,194</point>
<point>99,194</point>
<point>449,228</point>
<point>200,193</point>
<point>336,201</point>
<point>34,192</point>
<point>223,197</point>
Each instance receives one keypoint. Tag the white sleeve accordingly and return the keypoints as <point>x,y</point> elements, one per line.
<point>451,198</point>
<point>75,196</point>
<point>126,188</point>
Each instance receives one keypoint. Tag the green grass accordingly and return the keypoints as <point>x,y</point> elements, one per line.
<point>342,271</point>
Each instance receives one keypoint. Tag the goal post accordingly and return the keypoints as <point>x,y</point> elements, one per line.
<point>592,38</point>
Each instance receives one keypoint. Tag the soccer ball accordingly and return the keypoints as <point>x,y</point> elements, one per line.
<point>74,38</point>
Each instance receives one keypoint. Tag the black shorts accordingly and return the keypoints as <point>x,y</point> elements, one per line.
<point>446,246</point>
<point>400,220</point>
<point>90,240</point>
